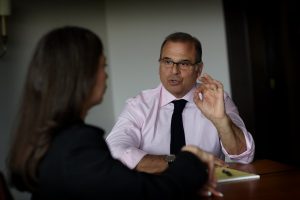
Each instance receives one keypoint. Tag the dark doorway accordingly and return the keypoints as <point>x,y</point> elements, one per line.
<point>263,40</point>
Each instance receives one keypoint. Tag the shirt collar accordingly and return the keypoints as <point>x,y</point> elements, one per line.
<point>167,97</point>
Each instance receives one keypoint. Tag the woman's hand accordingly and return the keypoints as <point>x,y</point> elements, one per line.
<point>210,161</point>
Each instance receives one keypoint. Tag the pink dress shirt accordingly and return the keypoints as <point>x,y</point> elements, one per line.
<point>144,128</point>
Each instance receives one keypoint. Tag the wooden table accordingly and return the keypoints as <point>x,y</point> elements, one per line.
<point>277,181</point>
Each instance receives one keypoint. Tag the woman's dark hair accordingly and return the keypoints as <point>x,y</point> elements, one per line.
<point>60,78</point>
<point>184,37</point>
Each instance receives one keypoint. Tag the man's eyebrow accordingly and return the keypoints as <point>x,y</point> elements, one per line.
<point>185,60</point>
<point>166,58</point>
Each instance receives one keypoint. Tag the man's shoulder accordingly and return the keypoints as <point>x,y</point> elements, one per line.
<point>146,96</point>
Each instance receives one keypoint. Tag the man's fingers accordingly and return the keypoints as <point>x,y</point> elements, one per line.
<point>213,84</point>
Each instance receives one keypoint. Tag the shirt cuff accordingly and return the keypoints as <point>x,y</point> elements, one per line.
<point>132,156</point>
<point>248,155</point>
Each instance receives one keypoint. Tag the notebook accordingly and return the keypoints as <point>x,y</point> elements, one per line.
<point>225,174</point>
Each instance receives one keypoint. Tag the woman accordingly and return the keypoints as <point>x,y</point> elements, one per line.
<point>55,155</point>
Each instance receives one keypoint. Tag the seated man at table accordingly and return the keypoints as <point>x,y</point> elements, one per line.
<point>145,134</point>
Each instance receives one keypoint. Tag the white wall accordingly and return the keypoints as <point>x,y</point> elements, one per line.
<point>132,32</point>
<point>136,29</point>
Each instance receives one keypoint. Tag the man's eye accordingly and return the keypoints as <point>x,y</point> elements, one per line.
<point>169,62</point>
<point>184,64</point>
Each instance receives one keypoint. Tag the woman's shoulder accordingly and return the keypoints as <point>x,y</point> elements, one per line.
<point>79,131</point>
<point>75,138</point>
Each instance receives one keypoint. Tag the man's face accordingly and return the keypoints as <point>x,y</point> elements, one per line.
<point>176,80</point>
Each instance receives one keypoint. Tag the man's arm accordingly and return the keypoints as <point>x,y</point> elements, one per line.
<point>212,106</point>
<point>153,164</point>
<point>125,138</point>
<point>232,137</point>
<point>156,164</point>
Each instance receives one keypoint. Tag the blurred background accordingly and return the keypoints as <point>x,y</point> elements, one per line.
<point>252,47</point>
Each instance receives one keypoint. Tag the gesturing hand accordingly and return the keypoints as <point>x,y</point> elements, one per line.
<point>209,98</point>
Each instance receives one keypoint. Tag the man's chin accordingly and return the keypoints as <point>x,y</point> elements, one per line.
<point>176,92</point>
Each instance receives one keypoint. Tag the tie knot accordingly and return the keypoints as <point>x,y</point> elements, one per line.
<point>179,105</point>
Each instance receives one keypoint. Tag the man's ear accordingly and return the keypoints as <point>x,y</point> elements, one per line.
<point>200,68</point>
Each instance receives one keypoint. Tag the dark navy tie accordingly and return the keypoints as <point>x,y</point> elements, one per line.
<point>177,132</point>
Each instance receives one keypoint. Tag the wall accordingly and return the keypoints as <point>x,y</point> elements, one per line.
<point>132,32</point>
<point>136,29</point>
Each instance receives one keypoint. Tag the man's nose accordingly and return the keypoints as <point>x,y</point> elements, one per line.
<point>175,68</point>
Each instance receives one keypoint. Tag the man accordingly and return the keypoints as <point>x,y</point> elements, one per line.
<point>141,137</point>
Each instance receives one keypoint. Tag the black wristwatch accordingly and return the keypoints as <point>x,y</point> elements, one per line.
<point>170,158</point>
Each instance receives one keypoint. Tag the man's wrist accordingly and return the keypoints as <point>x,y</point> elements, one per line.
<point>223,125</point>
<point>170,158</point>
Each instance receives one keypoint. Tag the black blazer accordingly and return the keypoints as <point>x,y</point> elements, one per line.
<point>78,165</point>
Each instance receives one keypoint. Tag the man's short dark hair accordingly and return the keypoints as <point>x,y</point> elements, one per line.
<point>184,37</point>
